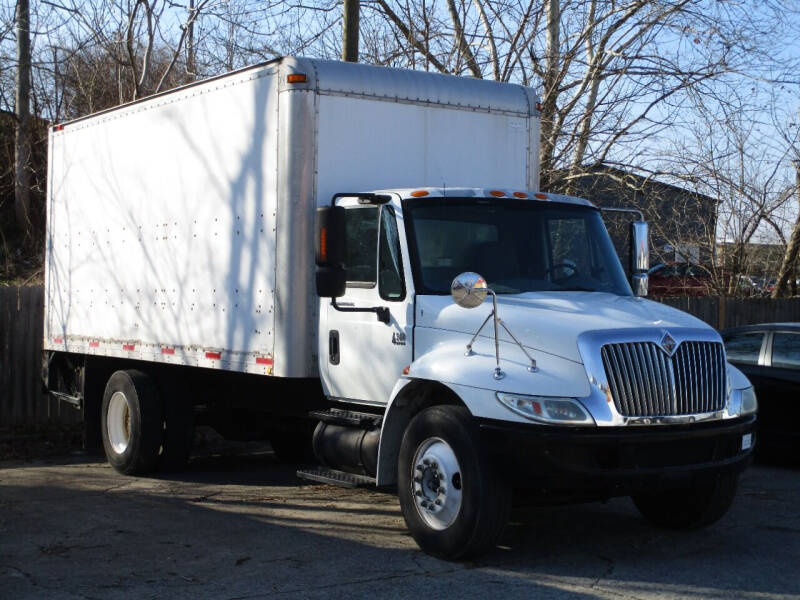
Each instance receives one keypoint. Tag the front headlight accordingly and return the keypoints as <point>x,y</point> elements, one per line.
<point>547,409</point>
<point>742,402</point>
<point>749,401</point>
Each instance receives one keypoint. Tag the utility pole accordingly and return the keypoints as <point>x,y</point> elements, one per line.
<point>191,67</point>
<point>792,247</point>
<point>350,30</point>
<point>22,141</point>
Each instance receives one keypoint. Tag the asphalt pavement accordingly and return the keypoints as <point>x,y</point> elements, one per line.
<point>244,527</point>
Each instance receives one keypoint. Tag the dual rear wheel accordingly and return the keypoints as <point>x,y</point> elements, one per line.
<point>141,433</point>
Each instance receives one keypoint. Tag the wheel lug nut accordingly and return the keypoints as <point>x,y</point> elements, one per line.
<point>434,465</point>
<point>420,468</point>
<point>426,462</point>
<point>418,493</point>
<point>417,479</point>
<point>441,475</point>
<point>438,502</point>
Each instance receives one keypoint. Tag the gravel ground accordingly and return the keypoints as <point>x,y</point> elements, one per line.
<point>243,527</point>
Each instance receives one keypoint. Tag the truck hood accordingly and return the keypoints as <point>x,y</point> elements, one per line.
<point>551,322</point>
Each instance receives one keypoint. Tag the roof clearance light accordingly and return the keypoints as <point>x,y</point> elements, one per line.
<point>296,78</point>
<point>520,195</point>
<point>497,193</point>
<point>541,196</point>
<point>58,127</point>
<point>419,193</point>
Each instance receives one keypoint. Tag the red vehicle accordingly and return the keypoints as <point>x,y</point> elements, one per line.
<point>678,279</point>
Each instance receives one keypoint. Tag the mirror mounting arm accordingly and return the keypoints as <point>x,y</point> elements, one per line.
<point>382,312</point>
<point>498,372</point>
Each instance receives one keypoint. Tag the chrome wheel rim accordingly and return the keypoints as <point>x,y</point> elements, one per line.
<point>436,483</point>
<point>118,422</point>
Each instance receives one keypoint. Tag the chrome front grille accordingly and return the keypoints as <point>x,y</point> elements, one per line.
<point>646,382</point>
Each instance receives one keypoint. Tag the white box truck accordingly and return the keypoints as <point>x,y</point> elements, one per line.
<point>300,251</point>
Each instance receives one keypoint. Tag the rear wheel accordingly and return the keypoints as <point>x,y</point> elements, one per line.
<point>690,507</point>
<point>131,422</point>
<point>454,503</point>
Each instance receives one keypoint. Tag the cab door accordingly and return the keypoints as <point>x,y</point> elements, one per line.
<point>362,356</point>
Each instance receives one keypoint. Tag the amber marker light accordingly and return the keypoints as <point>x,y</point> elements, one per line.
<point>541,196</point>
<point>520,195</point>
<point>419,193</point>
<point>296,78</point>
<point>497,193</point>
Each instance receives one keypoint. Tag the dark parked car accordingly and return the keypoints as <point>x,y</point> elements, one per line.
<point>769,354</point>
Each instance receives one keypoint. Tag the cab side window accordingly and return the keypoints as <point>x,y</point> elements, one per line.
<point>744,347</point>
<point>390,263</point>
<point>786,350</point>
<point>361,256</point>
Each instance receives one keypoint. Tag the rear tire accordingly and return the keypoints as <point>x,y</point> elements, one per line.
<point>455,504</point>
<point>691,507</point>
<point>131,422</point>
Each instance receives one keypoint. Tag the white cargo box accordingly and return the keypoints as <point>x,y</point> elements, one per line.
<point>180,227</point>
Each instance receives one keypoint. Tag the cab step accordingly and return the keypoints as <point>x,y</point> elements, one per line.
<point>334,477</point>
<point>348,418</point>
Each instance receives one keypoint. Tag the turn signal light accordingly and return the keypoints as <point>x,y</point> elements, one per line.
<point>323,244</point>
<point>296,78</point>
<point>419,193</point>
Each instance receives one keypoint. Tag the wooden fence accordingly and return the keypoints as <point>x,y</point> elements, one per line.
<point>722,313</point>
<point>22,402</point>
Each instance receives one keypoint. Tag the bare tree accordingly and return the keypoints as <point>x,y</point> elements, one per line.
<point>22,145</point>
<point>789,263</point>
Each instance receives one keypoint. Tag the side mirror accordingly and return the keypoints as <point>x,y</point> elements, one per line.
<point>330,252</point>
<point>640,257</point>
<point>469,290</point>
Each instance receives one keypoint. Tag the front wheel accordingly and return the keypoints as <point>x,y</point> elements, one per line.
<point>454,503</point>
<point>690,507</point>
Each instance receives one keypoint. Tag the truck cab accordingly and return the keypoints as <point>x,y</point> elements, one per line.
<point>566,384</point>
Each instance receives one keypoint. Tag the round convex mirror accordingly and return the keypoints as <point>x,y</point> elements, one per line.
<point>469,290</point>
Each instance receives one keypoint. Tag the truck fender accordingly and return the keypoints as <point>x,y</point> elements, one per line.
<point>739,380</point>
<point>444,375</point>
<point>409,397</point>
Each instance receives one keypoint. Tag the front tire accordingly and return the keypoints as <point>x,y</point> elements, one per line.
<point>131,422</point>
<point>453,501</point>
<point>690,507</point>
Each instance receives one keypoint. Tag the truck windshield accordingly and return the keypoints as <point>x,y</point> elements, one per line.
<point>516,245</point>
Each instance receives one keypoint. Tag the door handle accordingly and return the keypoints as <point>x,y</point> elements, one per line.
<point>333,346</point>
